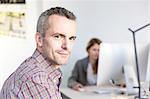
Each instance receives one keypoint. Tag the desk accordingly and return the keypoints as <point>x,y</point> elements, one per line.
<point>91,95</point>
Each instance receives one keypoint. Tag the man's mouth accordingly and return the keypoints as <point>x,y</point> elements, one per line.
<point>64,54</point>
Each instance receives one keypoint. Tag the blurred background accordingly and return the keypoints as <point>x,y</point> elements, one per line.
<point>108,20</point>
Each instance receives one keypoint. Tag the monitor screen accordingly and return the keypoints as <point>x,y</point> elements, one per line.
<point>112,58</point>
<point>147,78</point>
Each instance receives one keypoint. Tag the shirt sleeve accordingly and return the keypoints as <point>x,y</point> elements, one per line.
<point>39,87</point>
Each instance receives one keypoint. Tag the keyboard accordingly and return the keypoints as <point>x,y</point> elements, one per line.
<point>105,90</point>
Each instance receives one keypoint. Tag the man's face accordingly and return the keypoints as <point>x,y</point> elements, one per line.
<point>59,39</point>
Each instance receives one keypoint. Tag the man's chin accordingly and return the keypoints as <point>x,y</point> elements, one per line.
<point>59,64</point>
<point>62,62</point>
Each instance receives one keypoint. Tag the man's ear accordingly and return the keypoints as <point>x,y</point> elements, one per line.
<point>39,39</point>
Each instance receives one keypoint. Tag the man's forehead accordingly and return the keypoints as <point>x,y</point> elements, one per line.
<point>57,18</point>
<point>61,25</point>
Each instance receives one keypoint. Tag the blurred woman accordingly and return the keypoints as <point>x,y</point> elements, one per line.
<point>85,70</point>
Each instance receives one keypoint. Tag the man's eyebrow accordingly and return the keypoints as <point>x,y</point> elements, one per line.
<point>73,36</point>
<point>58,34</point>
<point>62,35</point>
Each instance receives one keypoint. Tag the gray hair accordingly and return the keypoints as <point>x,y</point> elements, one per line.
<point>42,24</point>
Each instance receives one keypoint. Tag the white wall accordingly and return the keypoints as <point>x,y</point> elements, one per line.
<point>107,19</point>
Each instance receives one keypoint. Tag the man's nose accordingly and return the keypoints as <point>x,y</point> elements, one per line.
<point>65,44</point>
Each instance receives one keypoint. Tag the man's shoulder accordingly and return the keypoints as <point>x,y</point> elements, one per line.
<point>29,69</point>
<point>27,72</point>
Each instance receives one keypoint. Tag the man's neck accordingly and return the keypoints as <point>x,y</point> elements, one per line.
<point>57,66</point>
<point>53,64</point>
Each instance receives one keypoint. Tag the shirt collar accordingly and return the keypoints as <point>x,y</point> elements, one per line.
<point>45,64</point>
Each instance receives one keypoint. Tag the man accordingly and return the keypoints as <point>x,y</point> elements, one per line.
<point>38,77</point>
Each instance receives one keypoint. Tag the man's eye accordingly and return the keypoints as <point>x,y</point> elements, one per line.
<point>72,38</point>
<point>57,36</point>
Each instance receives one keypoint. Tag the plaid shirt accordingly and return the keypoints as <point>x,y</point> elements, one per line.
<point>35,78</point>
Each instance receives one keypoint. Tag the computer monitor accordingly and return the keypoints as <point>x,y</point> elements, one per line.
<point>112,58</point>
<point>147,79</point>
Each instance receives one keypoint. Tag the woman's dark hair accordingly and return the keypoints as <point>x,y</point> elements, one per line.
<point>92,42</point>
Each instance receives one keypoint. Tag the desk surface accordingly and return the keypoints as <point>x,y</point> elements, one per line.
<point>89,94</point>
